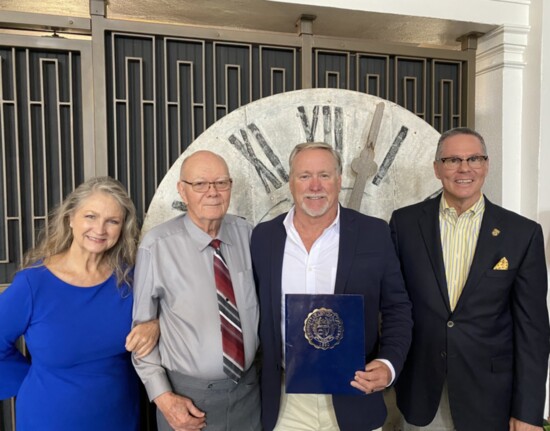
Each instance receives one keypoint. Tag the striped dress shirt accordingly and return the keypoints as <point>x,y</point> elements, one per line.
<point>458,239</point>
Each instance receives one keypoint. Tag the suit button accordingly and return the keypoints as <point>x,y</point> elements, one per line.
<point>443,355</point>
<point>450,324</point>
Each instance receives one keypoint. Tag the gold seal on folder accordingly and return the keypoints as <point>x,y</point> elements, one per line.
<point>323,328</point>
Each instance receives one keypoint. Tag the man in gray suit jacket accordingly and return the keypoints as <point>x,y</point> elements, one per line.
<point>476,275</point>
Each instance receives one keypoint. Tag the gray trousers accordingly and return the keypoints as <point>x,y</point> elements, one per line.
<point>229,406</point>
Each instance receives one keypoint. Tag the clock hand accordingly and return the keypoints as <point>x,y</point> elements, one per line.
<point>390,155</point>
<point>364,165</point>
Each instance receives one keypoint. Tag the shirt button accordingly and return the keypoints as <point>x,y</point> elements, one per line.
<point>443,355</point>
<point>450,324</point>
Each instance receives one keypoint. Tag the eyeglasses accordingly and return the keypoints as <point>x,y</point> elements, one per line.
<point>204,186</point>
<point>474,162</point>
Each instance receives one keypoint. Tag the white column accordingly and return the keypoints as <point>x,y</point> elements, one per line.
<point>544,119</point>
<point>499,92</point>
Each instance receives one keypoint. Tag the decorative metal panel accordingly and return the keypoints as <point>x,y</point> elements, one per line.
<point>429,87</point>
<point>373,75</point>
<point>163,92</point>
<point>332,69</point>
<point>41,136</point>
<point>447,95</point>
<point>410,84</point>
<point>278,71</point>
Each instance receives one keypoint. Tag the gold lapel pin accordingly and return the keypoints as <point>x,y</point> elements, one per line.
<point>495,232</point>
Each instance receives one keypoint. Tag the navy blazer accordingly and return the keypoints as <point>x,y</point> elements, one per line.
<point>367,265</point>
<point>493,348</point>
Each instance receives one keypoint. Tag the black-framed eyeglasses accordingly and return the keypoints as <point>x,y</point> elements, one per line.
<point>203,186</point>
<point>474,162</point>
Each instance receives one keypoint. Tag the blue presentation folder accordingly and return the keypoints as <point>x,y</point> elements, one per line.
<point>325,343</point>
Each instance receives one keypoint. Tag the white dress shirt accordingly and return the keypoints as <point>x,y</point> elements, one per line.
<point>314,272</point>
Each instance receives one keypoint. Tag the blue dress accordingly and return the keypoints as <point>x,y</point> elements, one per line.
<point>81,377</point>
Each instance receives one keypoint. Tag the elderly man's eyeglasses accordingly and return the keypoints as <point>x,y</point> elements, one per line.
<point>474,162</point>
<point>203,186</point>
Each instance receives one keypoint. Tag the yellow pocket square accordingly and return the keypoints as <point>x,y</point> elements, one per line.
<point>502,265</point>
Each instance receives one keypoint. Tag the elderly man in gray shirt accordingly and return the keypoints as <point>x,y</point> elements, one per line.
<point>194,273</point>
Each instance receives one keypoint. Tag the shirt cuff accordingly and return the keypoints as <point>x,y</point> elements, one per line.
<point>157,385</point>
<point>392,370</point>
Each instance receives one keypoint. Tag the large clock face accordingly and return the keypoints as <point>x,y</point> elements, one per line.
<point>381,171</point>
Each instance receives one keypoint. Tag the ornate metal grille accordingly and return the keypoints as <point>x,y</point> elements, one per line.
<point>41,135</point>
<point>165,91</point>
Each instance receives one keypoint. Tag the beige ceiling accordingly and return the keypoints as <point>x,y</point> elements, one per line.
<point>266,15</point>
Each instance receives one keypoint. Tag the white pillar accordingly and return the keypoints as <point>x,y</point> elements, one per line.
<point>499,91</point>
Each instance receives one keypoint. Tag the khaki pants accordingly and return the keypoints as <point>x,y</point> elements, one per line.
<point>307,412</point>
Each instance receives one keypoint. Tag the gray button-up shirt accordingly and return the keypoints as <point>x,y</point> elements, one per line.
<point>174,281</point>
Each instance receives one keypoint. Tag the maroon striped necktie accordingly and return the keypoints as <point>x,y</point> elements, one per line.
<point>232,334</point>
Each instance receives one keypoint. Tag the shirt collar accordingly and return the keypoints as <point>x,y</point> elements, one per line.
<point>201,238</point>
<point>288,222</point>
<point>474,211</point>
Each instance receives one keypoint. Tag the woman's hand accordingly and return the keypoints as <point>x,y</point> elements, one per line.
<point>143,338</point>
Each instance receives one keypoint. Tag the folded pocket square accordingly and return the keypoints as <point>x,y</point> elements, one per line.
<point>502,265</point>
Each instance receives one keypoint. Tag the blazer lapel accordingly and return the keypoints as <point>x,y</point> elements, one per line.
<point>429,228</point>
<point>277,247</point>
<point>346,248</point>
<point>483,255</point>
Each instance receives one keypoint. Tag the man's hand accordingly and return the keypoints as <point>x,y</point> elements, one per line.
<point>143,338</point>
<point>517,425</point>
<point>376,377</point>
<point>180,412</point>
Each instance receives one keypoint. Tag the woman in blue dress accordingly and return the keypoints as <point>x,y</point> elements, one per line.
<point>72,302</point>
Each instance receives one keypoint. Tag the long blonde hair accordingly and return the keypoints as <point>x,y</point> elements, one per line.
<point>58,236</point>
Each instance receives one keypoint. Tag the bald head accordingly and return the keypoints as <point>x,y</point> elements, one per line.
<point>199,158</point>
<point>205,187</point>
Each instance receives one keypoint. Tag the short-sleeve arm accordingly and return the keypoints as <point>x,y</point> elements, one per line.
<point>149,368</point>
<point>15,313</point>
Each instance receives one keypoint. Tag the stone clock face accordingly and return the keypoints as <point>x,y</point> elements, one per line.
<point>257,139</point>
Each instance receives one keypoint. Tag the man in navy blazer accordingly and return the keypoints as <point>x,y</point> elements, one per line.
<point>476,275</point>
<point>320,247</point>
